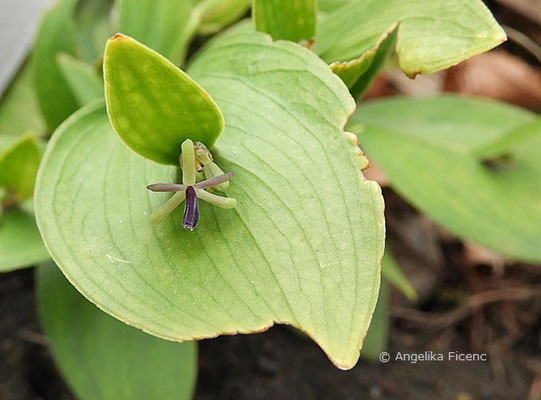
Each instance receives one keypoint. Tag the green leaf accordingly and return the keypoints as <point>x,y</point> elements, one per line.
<point>331,5</point>
<point>351,71</point>
<point>153,105</point>
<point>19,161</point>
<point>54,36</point>
<point>427,149</point>
<point>302,247</point>
<point>432,34</point>
<point>383,50</point>
<point>163,25</point>
<point>378,334</point>
<point>21,96</point>
<point>214,15</point>
<point>102,358</point>
<point>94,27</point>
<point>293,20</point>
<point>359,74</point>
<point>393,274</point>
<point>20,241</point>
<point>84,81</point>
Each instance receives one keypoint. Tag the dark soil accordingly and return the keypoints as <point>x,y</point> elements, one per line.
<point>283,364</point>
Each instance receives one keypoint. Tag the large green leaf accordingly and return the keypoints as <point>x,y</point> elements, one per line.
<point>428,147</point>
<point>20,241</point>
<point>432,34</point>
<point>21,96</point>
<point>153,105</point>
<point>164,25</point>
<point>19,161</point>
<point>302,247</point>
<point>54,36</point>
<point>293,20</point>
<point>104,359</point>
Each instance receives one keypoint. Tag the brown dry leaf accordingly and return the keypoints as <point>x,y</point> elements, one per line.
<point>497,75</point>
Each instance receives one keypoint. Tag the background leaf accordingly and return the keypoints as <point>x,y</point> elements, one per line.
<point>394,275</point>
<point>20,241</point>
<point>378,334</point>
<point>83,80</point>
<point>217,14</point>
<point>153,105</point>
<point>359,73</point>
<point>293,20</point>
<point>499,209</point>
<point>19,96</point>
<point>100,357</point>
<point>432,34</point>
<point>163,25</point>
<point>54,36</point>
<point>302,247</point>
<point>94,26</point>
<point>19,162</point>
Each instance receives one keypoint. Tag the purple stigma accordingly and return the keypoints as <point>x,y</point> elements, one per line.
<point>191,210</point>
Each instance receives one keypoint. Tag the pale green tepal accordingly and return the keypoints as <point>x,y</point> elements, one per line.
<point>153,105</point>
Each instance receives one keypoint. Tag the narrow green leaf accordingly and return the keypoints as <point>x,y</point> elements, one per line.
<point>303,246</point>
<point>54,36</point>
<point>378,334</point>
<point>94,26</point>
<point>104,359</point>
<point>19,96</point>
<point>432,34</point>
<point>163,25</point>
<point>393,274</point>
<point>214,15</point>
<point>153,105</point>
<point>426,148</point>
<point>19,162</point>
<point>84,81</point>
<point>293,20</point>
<point>506,143</point>
<point>20,242</point>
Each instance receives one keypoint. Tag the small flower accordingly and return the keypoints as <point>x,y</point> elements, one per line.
<point>191,191</point>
